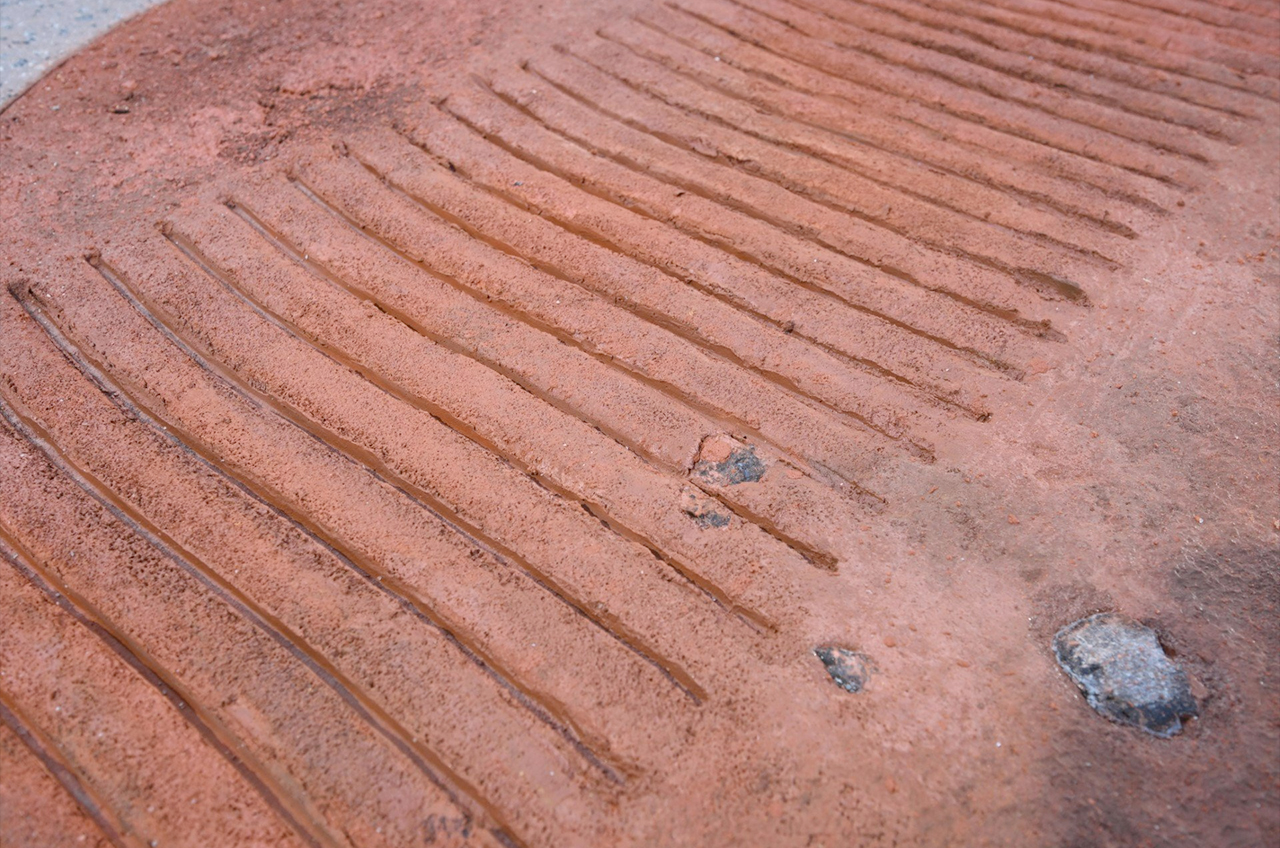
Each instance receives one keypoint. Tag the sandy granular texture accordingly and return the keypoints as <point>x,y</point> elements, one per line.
<point>474,423</point>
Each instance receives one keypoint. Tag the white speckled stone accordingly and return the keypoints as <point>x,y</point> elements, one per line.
<point>35,35</point>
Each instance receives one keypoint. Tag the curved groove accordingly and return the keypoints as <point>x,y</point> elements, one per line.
<point>961,114</point>
<point>1188,11</point>
<point>963,24</point>
<point>1246,12</point>
<point>600,240</point>
<point>977,87</point>
<point>978,357</point>
<point>1156,25</point>
<point>708,587</point>
<point>131,405</point>
<point>646,313</point>
<point>1072,42</point>
<point>1024,325</point>
<point>976,122</point>
<point>454,786</point>
<point>454,347</point>
<point>981,150</point>
<point>679,677</point>
<point>799,148</point>
<point>796,230</point>
<point>1036,198</point>
<point>58,767</point>
<point>720,418</point>
<point>163,681</point>
<point>352,453</point>
<point>969,55</point>
<point>360,703</point>
<point>812,194</point>
<point>815,557</point>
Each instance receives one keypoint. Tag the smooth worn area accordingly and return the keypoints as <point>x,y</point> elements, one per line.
<point>618,423</point>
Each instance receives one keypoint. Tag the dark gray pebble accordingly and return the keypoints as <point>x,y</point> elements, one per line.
<point>1124,673</point>
<point>849,669</point>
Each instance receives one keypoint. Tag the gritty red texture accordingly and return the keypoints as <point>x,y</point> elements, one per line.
<point>460,424</point>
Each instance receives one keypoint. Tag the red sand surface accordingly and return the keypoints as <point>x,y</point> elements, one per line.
<point>460,423</point>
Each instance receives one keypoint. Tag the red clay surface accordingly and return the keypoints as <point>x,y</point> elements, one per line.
<point>459,424</point>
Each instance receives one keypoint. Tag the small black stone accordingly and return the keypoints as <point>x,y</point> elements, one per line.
<point>849,669</point>
<point>742,466</point>
<point>1124,674</point>
<point>712,519</point>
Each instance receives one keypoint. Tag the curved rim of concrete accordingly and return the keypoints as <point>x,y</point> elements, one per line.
<point>38,36</point>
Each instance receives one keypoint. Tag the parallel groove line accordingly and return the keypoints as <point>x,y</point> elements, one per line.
<point>799,231</point>
<point>1158,21</point>
<point>129,403</point>
<point>813,193</point>
<point>602,241</point>
<point>1092,182</point>
<point>1039,198</point>
<point>800,148</point>
<point>984,67</point>
<point>212,731</point>
<point>1262,11</point>
<point>1174,41</point>
<point>58,767</point>
<point>1025,276</point>
<point>1226,9</point>
<point>677,676</point>
<point>359,702</point>
<point>781,381</point>
<point>1001,65</point>
<point>979,356</point>
<point>561,723</point>
<point>755,618</point>
<point>1239,8</point>
<point>640,310</point>
<point>1088,41</point>
<point>362,457</point>
<point>978,87</point>
<point>722,419</point>
<point>972,28</point>
<point>696,254</point>
<point>962,114</point>
<point>492,364</point>
<point>611,523</point>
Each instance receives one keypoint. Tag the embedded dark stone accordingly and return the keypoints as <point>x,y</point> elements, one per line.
<point>712,519</point>
<point>849,669</point>
<point>742,466</point>
<point>703,510</point>
<point>1124,673</point>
